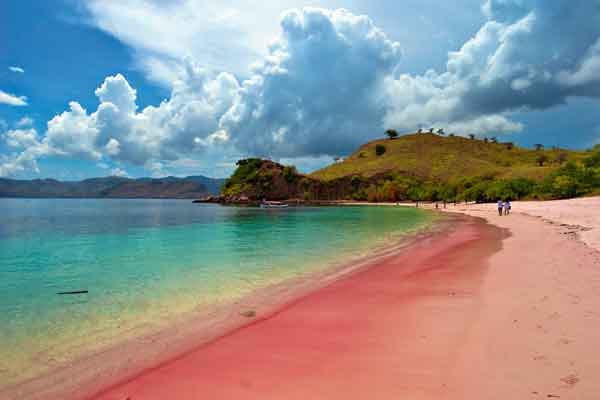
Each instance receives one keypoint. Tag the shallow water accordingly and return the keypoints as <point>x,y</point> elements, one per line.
<point>146,262</point>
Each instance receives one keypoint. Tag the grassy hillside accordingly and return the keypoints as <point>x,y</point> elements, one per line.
<point>447,159</point>
<point>427,167</point>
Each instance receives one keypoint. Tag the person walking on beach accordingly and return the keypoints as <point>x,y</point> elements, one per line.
<point>507,207</point>
<point>500,207</point>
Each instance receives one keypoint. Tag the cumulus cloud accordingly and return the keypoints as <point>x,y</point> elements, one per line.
<point>185,124</point>
<point>12,100</point>
<point>16,69</point>
<point>317,90</point>
<point>529,55</point>
<point>21,138</point>
<point>331,80</point>
<point>31,149</point>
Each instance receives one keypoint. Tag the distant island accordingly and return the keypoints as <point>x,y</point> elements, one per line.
<point>425,167</point>
<point>190,187</point>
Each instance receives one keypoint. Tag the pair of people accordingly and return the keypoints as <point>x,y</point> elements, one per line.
<point>503,207</point>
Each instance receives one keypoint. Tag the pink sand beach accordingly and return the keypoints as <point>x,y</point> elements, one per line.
<point>494,308</point>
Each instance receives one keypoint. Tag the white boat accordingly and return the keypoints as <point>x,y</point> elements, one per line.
<point>273,204</point>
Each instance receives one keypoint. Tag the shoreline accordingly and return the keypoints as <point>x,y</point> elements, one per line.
<point>105,368</point>
<point>492,307</point>
<point>513,315</point>
<point>462,242</point>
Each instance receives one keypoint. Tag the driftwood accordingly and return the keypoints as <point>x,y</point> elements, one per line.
<point>74,292</point>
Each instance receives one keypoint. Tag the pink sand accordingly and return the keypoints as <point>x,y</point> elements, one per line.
<point>392,330</point>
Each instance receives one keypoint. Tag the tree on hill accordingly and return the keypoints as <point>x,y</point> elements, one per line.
<point>451,134</point>
<point>430,130</point>
<point>494,139</point>
<point>471,136</point>
<point>440,131</point>
<point>541,159</point>
<point>391,133</point>
<point>420,130</point>
<point>486,140</point>
<point>538,146</point>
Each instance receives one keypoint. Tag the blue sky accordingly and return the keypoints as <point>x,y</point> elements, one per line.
<point>144,87</point>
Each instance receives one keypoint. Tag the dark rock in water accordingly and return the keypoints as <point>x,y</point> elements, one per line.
<point>74,292</point>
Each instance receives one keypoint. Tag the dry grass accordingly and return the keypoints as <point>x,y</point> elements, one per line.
<point>446,159</point>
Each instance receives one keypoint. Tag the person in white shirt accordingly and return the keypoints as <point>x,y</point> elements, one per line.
<point>507,207</point>
<point>500,207</point>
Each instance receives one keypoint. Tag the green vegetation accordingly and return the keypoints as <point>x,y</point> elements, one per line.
<point>391,133</point>
<point>247,173</point>
<point>428,167</point>
<point>290,174</point>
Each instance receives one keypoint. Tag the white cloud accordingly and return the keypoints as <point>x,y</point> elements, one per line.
<point>21,138</point>
<point>17,69</point>
<point>330,81</point>
<point>317,91</point>
<point>12,100</point>
<point>25,121</point>
<point>27,159</point>
<point>119,172</point>
<point>163,33</point>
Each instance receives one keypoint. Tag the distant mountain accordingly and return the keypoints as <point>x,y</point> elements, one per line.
<point>113,187</point>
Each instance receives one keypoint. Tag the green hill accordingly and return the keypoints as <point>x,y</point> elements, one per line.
<point>447,159</point>
<point>426,167</point>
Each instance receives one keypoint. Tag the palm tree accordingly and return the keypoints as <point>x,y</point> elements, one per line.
<point>392,133</point>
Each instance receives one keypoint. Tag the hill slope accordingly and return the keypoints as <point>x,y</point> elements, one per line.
<point>112,187</point>
<point>425,167</point>
<point>447,159</point>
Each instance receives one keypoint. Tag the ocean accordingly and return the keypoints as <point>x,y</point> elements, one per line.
<point>146,263</point>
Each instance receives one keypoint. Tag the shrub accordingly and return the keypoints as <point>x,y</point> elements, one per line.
<point>380,149</point>
<point>564,187</point>
<point>290,174</point>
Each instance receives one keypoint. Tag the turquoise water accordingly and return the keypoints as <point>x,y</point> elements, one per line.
<point>146,262</point>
